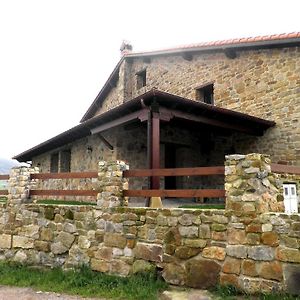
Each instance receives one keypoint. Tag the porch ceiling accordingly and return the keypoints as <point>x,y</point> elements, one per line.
<point>170,107</point>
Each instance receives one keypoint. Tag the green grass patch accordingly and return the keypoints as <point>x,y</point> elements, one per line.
<point>232,293</point>
<point>83,282</point>
<point>3,199</point>
<point>204,206</point>
<point>64,202</point>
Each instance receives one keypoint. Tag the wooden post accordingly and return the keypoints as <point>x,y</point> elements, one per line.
<point>155,149</point>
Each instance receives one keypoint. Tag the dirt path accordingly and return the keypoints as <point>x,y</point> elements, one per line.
<point>15,293</point>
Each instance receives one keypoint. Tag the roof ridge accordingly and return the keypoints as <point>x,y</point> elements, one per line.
<point>242,40</point>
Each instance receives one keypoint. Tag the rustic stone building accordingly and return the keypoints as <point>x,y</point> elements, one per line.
<point>188,106</point>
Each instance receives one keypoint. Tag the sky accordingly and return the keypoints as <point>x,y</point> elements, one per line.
<point>55,55</point>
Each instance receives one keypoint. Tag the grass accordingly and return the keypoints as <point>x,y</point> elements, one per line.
<point>3,199</point>
<point>204,206</point>
<point>64,202</point>
<point>231,293</point>
<point>83,282</point>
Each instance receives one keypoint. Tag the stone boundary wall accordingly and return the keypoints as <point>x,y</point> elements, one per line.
<point>251,244</point>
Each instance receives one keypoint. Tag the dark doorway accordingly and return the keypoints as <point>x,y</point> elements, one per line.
<point>170,162</point>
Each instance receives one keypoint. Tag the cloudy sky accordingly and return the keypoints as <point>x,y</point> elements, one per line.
<point>55,55</point>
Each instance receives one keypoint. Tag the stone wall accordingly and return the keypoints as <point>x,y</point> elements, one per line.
<point>263,83</point>
<point>251,244</point>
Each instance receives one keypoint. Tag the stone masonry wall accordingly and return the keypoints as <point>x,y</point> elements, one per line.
<point>263,83</point>
<point>251,244</point>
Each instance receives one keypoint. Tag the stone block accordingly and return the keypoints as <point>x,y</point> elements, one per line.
<point>185,252</point>
<point>219,235</point>
<point>288,254</point>
<point>186,219</point>
<point>151,252</point>
<point>204,231</point>
<point>261,253</point>
<point>66,239</point>
<point>46,234</point>
<point>236,236</point>
<point>5,241</point>
<point>218,227</point>
<point>238,251</point>
<point>270,238</point>
<point>174,274</point>
<point>104,253</point>
<point>188,231</point>
<point>31,231</point>
<point>232,266</point>
<point>114,240</point>
<point>42,246</point>
<point>83,242</point>
<point>100,265</point>
<point>22,242</point>
<point>249,268</point>
<point>214,252</point>
<point>229,279</point>
<point>271,270</point>
<point>253,238</point>
<point>202,274</point>
<point>195,243</point>
<point>58,248</point>
<point>119,267</point>
<point>141,266</point>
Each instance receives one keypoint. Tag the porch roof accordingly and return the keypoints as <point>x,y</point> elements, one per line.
<point>170,106</point>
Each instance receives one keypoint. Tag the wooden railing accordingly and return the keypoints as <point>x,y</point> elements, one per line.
<point>279,168</point>
<point>71,175</point>
<point>180,193</point>
<point>4,177</point>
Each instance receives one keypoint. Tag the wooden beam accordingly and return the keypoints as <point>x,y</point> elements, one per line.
<point>199,171</point>
<point>210,121</point>
<point>278,168</point>
<point>155,150</point>
<point>63,193</point>
<point>4,177</point>
<point>66,175</point>
<point>120,121</point>
<point>106,142</point>
<point>209,193</point>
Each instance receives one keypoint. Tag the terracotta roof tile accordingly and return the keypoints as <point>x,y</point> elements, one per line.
<point>236,41</point>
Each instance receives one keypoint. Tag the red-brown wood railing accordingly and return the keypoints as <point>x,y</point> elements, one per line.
<point>180,193</point>
<point>67,175</point>
<point>279,168</point>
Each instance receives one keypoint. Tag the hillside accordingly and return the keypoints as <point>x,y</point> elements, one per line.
<point>6,165</point>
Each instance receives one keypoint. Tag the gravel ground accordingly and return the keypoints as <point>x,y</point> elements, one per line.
<point>15,293</point>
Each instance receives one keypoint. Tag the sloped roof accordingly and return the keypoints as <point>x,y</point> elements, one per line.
<point>203,111</point>
<point>267,41</point>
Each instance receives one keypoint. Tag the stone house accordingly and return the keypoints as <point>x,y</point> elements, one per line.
<point>188,106</point>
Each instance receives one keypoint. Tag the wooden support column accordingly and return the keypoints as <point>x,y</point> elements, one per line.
<point>155,149</point>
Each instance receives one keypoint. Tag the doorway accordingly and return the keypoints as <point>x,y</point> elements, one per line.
<point>170,162</point>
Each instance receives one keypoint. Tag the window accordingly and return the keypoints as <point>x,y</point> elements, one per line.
<point>65,161</point>
<point>141,79</point>
<point>60,161</point>
<point>290,198</point>
<point>205,93</point>
<point>54,163</point>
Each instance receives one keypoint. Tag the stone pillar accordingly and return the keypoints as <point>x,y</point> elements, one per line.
<point>252,192</point>
<point>251,188</point>
<point>112,183</point>
<point>19,184</point>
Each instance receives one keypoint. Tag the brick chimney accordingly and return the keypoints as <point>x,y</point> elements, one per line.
<point>125,48</point>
